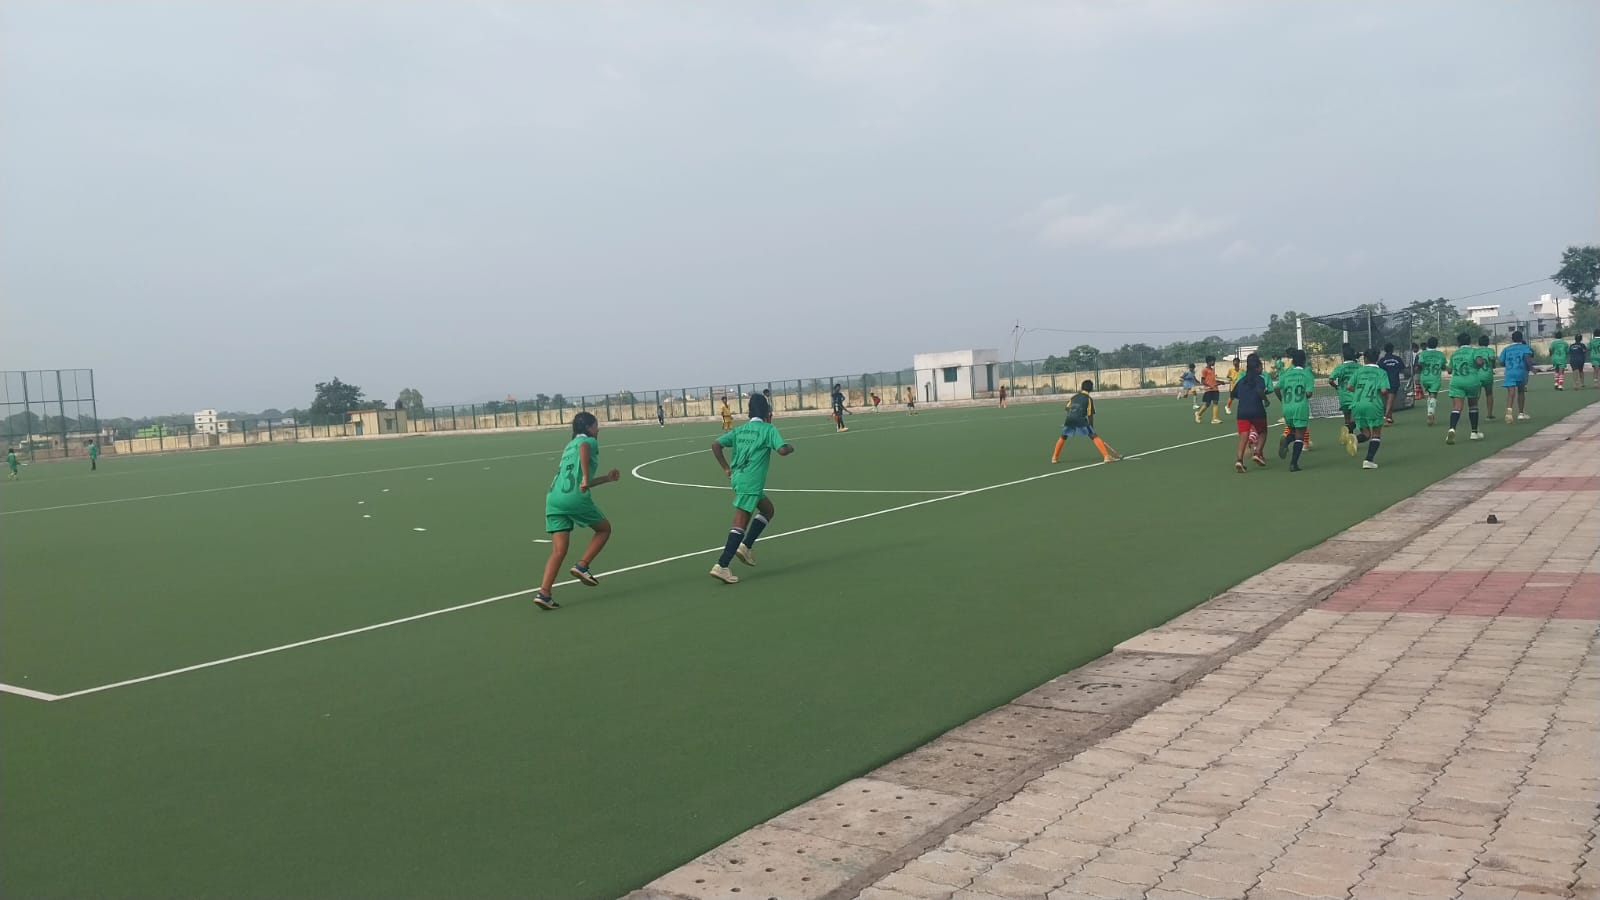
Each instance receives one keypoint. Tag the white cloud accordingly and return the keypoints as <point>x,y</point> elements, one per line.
<point>1120,226</point>
<point>1239,251</point>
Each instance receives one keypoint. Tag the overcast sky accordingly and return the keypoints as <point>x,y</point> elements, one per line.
<point>217,204</point>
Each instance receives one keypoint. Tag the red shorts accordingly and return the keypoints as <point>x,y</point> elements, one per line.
<point>1259,426</point>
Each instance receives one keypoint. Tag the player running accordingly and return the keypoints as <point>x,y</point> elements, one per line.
<point>1578,356</point>
<point>1517,358</point>
<point>752,444</point>
<point>1294,389</point>
<point>11,464</point>
<point>1466,371</point>
<point>1249,392</point>
<point>569,504</point>
<point>1371,389</point>
<point>1342,380</point>
<point>1080,423</point>
<point>1392,366</point>
<point>1487,354</point>
<point>1430,376</point>
<point>1189,386</point>
<point>1558,360</point>
<point>1210,396</point>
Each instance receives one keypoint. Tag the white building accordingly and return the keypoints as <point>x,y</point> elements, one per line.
<point>1549,306</point>
<point>1482,314</point>
<point>956,374</point>
<point>206,422</point>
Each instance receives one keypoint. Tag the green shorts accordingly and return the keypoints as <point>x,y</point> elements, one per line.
<point>1464,388</point>
<point>1432,385</point>
<point>581,513</point>
<point>1367,415</point>
<point>748,502</point>
<point>1297,415</point>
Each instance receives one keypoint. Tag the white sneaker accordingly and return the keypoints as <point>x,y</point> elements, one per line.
<point>1450,436</point>
<point>1508,416</point>
<point>722,574</point>
<point>1368,464</point>
<point>746,555</point>
<point>1476,436</point>
<point>1523,417</point>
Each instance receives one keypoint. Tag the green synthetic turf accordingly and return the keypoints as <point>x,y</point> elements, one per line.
<point>500,751</point>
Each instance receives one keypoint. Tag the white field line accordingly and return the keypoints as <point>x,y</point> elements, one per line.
<point>26,692</point>
<point>257,484</point>
<point>451,462</point>
<point>723,487</point>
<point>633,568</point>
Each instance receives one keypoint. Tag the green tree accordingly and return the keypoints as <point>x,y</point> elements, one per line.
<point>558,401</point>
<point>335,399</point>
<point>625,397</point>
<point>492,407</point>
<point>1081,358</point>
<point>410,400</point>
<point>1580,273</point>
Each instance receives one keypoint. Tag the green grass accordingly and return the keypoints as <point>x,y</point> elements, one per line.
<point>500,751</point>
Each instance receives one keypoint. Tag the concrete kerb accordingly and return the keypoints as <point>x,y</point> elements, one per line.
<point>973,768</point>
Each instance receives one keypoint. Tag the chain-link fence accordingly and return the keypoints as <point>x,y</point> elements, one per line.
<point>48,413</point>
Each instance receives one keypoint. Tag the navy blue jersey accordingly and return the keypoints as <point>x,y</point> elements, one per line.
<point>1250,396</point>
<point>1392,365</point>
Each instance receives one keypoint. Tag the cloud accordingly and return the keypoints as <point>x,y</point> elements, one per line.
<point>1061,222</point>
<point>1239,251</point>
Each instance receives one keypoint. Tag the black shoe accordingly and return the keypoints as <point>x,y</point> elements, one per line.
<point>1283,447</point>
<point>545,601</point>
<point>1293,467</point>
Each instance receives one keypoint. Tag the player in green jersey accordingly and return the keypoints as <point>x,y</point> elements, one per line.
<point>1466,375</point>
<point>752,444</point>
<point>1430,375</point>
<point>11,463</point>
<point>570,505</point>
<point>1294,388</point>
<point>1558,360</point>
<point>1370,387</point>
<point>94,456</point>
<point>1341,379</point>
<point>1489,357</point>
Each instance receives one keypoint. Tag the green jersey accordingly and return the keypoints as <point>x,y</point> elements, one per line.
<point>1490,358</point>
<point>752,444</point>
<point>564,493</point>
<point>11,460</point>
<point>1343,377</point>
<point>1368,386</point>
<point>1294,387</point>
<point>1558,352</point>
<point>94,451</point>
<point>1431,362</point>
<point>1464,363</point>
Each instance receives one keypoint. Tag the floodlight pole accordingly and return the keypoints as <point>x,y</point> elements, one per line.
<point>1300,332</point>
<point>1016,343</point>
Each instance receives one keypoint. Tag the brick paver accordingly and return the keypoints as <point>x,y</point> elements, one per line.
<point>1430,730</point>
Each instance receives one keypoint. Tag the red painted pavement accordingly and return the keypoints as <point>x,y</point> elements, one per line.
<point>1552,595</point>
<point>1551,483</point>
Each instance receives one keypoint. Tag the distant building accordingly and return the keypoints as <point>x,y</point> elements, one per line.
<point>206,422</point>
<point>1549,306</point>
<point>956,375</point>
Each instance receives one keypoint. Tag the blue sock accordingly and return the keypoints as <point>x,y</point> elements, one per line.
<point>757,525</point>
<point>1472,416</point>
<point>734,537</point>
<point>1372,448</point>
<point>1299,445</point>
<point>1455,418</point>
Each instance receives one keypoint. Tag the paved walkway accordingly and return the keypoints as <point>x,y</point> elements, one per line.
<point>1429,726</point>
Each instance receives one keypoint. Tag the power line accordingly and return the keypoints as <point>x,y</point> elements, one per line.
<point>1509,287</point>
